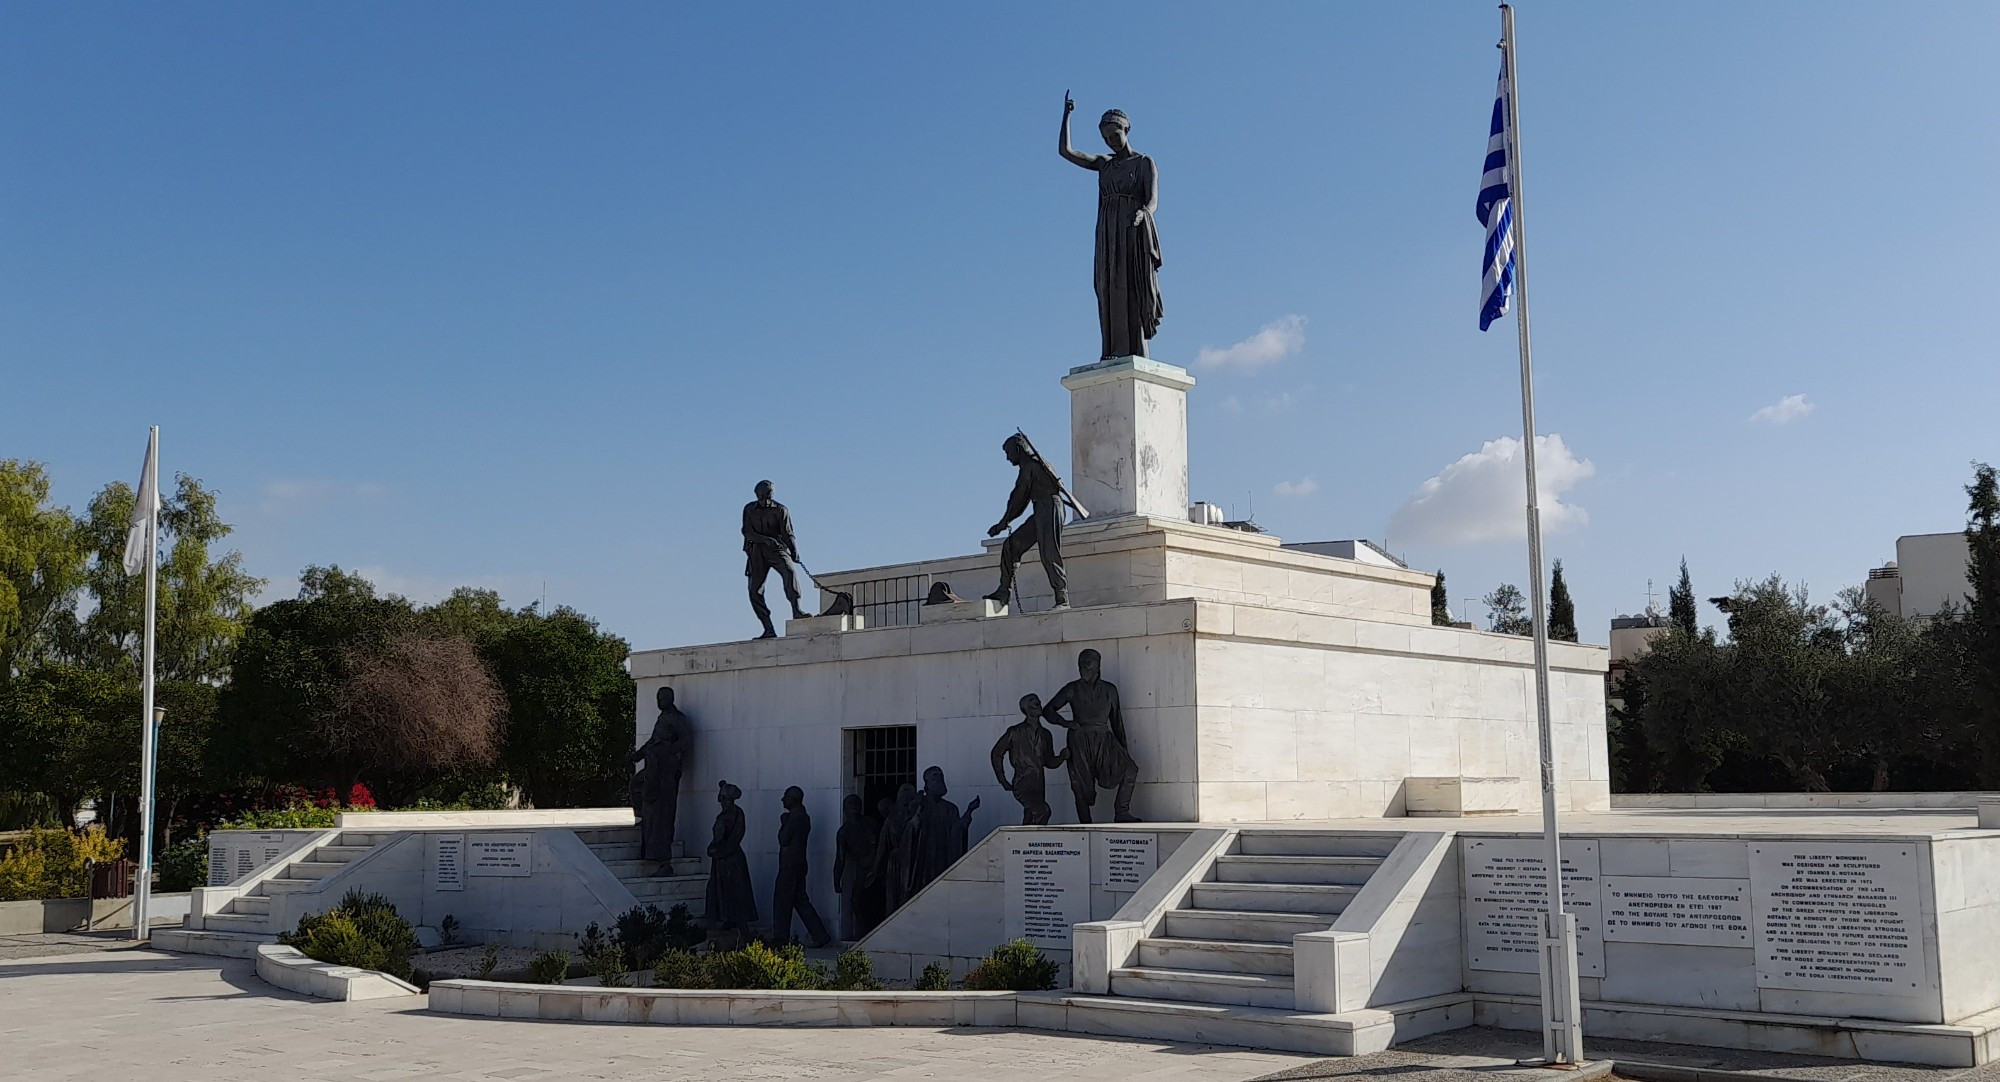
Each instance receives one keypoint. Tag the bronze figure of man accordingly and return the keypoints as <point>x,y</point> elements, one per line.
<point>1034,487</point>
<point>1031,750</point>
<point>1098,755</point>
<point>1126,271</point>
<point>768,545</point>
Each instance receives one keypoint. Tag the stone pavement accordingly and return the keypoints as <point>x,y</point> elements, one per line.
<point>148,1014</point>
<point>80,1011</point>
<point>43,944</point>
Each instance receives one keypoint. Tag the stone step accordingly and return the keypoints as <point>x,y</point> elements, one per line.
<point>312,869</point>
<point>202,941</point>
<point>1314,843</point>
<point>653,869</point>
<point>1205,986</point>
<point>283,886</point>
<point>614,851</point>
<point>1244,927</point>
<point>1216,956</point>
<point>1351,871</point>
<point>236,922</point>
<point>339,854</point>
<point>250,904</point>
<point>1274,897</point>
<point>1201,1023</point>
<point>608,835</point>
<point>370,838</point>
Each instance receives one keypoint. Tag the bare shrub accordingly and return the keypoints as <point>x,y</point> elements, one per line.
<point>421,704</point>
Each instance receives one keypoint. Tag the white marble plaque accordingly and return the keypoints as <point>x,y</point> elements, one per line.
<point>245,860</point>
<point>500,854</point>
<point>1047,880</point>
<point>448,862</point>
<point>1684,910</point>
<point>219,873</point>
<point>1838,917</point>
<point>1506,893</point>
<point>1125,860</point>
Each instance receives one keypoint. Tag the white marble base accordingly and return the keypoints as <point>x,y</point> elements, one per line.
<point>983,608</point>
<point>1989,813</point>
<point>1128,437</point>
<point>826,625</point>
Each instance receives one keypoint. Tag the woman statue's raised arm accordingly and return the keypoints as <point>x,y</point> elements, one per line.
<point>1087,161</point>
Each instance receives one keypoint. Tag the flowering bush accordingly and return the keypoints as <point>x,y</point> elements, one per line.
<point>49,863</point>
<point>360,799</point>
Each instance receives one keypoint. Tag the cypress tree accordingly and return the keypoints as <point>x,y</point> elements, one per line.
<point>1562,611</point>
<point>1440,603</point>
<point>1982,572</point>
<point>1680,603</point>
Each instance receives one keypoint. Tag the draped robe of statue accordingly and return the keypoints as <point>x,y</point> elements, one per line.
<point>939,834</point>
<point>1126,272</point>
<point>732,901</point>
<point>853,860</point>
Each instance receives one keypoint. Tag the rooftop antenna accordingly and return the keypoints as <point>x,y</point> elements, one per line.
<point>1649,593</point>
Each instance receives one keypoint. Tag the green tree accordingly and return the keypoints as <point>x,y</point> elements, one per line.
<point>1982,573</point>
<point>294,658</point>
<point>1681,723</point>
<point>1562,611</point>
<point>1440,603</point>
<point>1509,611</point>
<point>41,564</point>
<point>570,707</point>
<point>1680,603</point>
<point>203,602</point>
<point>69,732</point>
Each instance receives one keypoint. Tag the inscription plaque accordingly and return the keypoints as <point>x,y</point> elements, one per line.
<point>500,854</point>
<point>1047,885</point>
<point>1689,911</point>
<point>1126,860</point>
<point>1506,894</point>
<point>448,864</point>
<point>1838,917</point>
<point>218,865</point>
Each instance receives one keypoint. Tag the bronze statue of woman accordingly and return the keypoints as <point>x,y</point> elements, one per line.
<point>1127,268</point>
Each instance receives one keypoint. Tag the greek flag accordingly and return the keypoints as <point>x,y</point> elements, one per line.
<point>1496,213</point>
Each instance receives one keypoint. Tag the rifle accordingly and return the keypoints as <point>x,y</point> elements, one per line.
<point>1061,490</point>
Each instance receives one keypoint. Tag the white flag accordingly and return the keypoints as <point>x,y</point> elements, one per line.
<point>143,510</point>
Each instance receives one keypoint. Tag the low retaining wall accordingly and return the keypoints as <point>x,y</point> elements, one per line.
<point>1898,801</point>
<point>682,1007</point>
<point>38,915</point>
<point>286,968</point>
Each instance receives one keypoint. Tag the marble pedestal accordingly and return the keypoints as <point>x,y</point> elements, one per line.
<point>1128,438</point>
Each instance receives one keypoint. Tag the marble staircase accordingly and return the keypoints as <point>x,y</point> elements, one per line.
<point>251,913</point>
<point>1230,941</point>
<point>683,879</point>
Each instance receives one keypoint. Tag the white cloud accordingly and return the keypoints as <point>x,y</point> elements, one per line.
<point>1233,406</point>
<point>1483,496</point>
<point>1272,343</point>
<point>1304,486</point>
<point>1784,411</point>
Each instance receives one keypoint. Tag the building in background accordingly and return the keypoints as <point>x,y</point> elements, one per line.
<point>1927,575</point>
<point>1631,637</point>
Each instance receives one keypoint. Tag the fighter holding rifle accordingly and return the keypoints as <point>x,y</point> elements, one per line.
<point>1037,489</point>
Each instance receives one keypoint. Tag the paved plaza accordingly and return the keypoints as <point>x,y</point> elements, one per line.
<point>76,1010</point>
<point>148,1014</point>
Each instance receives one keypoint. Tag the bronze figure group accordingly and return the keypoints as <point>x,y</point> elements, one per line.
<point>1097,753</point>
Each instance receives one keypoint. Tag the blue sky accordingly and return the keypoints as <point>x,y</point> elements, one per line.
<point>529,296</point>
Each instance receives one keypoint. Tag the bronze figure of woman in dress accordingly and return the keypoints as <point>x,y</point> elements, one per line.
<point>1127,268</point>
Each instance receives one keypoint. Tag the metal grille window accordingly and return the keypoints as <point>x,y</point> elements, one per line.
<point>882,760</point>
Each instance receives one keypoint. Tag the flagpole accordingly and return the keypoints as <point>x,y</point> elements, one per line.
<point>142,880</point>
<point>1562,1026</point>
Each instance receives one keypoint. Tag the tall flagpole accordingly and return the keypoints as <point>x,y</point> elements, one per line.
<point>142,880</point>
<point>1562,1025</point>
